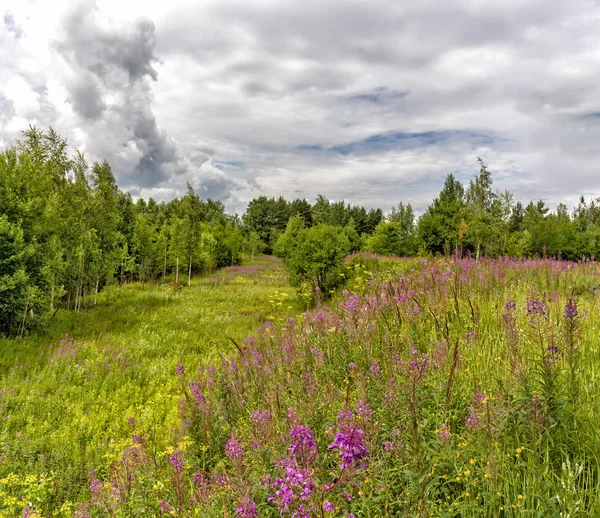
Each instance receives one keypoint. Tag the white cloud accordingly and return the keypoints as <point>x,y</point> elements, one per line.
<point>170,92</point>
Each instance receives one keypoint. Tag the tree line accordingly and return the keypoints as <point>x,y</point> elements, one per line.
<point>67,231</point>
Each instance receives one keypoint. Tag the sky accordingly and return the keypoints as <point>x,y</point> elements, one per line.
<point>373,102</point>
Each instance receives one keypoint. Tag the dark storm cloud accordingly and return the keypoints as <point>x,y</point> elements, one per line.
<point>112,72</point>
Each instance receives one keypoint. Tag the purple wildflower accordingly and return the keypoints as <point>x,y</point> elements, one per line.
<point>444,434</point>
<point>95,485</point>
<point>349,441</point>
<point>234,449</point>
<point>165,507</point>
<point>303,443</point>
<point>176,461</point>
<point>570,311</point>
<point>536,308</point>
<point>246,509</point>
<point>260,416</point>
<point>510,305</point>
<point>296,485</point>
<point>328,506</point>
<point>199,479</point>
<point>375,369</point>
<point>363,409</point>
<point>473,421</point>
<point>180,369</point>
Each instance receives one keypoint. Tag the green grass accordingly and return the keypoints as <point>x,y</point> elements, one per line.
<point>65,413</point>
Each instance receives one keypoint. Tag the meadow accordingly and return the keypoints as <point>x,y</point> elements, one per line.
<point>447,387</point>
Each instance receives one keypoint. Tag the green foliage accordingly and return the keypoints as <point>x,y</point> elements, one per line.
<point>314,255</point>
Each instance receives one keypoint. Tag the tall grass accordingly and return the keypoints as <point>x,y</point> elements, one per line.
<point>433,388</point>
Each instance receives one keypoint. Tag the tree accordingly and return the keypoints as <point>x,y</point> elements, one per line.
<point>318,257</point>
<point>437,227</point>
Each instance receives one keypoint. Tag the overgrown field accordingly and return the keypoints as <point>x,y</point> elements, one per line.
<point>67,408</point>
<point>433,388</point>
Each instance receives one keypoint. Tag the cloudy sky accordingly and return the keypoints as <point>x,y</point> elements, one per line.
<point>370,101</point>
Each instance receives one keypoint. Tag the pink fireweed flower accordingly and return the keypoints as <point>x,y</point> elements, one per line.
<point>176,461</point>
<point>234,449</point>
<point>570,311</point>
<point>363,409</point>
<point>260,416</point>
<point>349,441</point>
<point>536,308</point>
<point>328,506</point>
<point>95,485</point>
<point>473,421</point>
<point>246,509</point>
<point>303,444</point>
<point>296,485</point>
<point>375,369</point>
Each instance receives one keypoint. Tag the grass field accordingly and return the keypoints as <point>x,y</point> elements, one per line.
<point>66,397</point>
<point>451,387</point>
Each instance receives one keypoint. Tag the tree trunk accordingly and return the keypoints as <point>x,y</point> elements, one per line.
<point>165,265</point>
<point>96,292</point>
<point>190,273</point>
<point>176,270</point>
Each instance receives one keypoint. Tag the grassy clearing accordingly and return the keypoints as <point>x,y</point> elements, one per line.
<point>65,402</point>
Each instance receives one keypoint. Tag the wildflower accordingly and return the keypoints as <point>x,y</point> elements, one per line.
<point>180,369</point>
<point>199,479</point>
<point>95,484</point>
<point>352,366</point>
<point>570,311</point>
<point>510,305</point>
<point>375,369</point>
<point>176,461</point>
<point>296,485</point>
<point>473,421</point>
<point>329,506</point>
<point>363,409</point>
<point>246,509</point>
<point>478,399</point>
<point>302,442</point>
<point>536,308</point>
<point>260,416</point>
<point>351,445</point>
<point>233,449</point>
<point>444,434</point>
<point>165,507</point>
